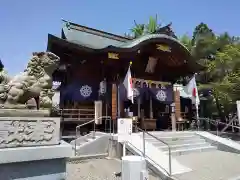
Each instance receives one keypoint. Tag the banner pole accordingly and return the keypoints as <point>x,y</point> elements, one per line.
<point>197,115</point>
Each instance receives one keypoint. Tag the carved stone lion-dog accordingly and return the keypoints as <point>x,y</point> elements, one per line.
<point>35,82</point>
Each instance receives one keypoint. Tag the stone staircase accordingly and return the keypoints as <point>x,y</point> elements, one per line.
<point>206,161</point>
<point>181,143</point>
<point>89,144</point>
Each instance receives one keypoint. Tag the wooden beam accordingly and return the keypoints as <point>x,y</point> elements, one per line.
<point>177,104</point>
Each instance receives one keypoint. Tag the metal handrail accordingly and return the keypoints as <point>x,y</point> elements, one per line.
<point>217,122</point>
<point>94,129</point>
<point>169,147</point>
<point>65,109</point>
<point>168,173</point>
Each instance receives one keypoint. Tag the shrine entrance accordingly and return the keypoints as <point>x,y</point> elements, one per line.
<point>151,107</point>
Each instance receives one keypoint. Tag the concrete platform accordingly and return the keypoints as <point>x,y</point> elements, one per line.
<point>213,165</point>
<point>97,169</point>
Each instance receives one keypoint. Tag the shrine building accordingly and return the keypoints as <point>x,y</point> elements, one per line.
<point>94,63</point>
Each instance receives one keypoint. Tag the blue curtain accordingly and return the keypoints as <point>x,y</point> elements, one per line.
<point>164,94</point>
<point>138,93</point>
<point>78,91</point>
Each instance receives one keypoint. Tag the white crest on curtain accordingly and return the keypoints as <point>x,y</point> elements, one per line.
<point>161,95</point>
<point>86,91</point>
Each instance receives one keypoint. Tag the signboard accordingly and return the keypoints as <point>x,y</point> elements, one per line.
<point>238,111</point>
<point>163,47</point>
<point>124,129</point>
<point>113,55</point>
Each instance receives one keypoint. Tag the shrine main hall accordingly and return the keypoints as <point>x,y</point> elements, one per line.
<point>94,63</point>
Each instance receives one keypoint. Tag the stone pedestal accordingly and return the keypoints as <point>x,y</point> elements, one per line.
<point>30,146</point>
<point>35,163</point>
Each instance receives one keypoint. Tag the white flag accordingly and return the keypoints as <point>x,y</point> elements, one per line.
<point>128,85</point>
<point>193,91</point>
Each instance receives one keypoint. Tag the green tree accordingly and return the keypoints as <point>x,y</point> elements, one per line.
<point>220,55</point>
<point>186,41</point>
<point>140,29</point>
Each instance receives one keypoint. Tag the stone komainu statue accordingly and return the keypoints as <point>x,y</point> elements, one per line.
<point>35,82</point>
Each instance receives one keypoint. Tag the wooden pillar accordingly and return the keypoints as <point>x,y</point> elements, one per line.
<point>177,115</point>
<point>177,104</point>
<point>114,101</point>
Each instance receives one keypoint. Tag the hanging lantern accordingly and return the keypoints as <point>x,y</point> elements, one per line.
<point>103,87</point>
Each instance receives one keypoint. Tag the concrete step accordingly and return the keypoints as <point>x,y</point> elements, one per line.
<point>186,141</point>
<point>185,151</point>
<point>82,142</point>
<point>83,139</point>
<point>172,134</point>
<point>181,146</point>
<point>175,140</point>
<point>157,143</point>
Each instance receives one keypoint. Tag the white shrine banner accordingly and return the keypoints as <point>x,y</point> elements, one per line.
<point>193,91</point>
<point>238,111</point>
<point>124,129</point>
<point>98,112</point>
<point>128,85</point>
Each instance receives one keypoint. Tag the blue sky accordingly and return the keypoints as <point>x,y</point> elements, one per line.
<point>24,25</point>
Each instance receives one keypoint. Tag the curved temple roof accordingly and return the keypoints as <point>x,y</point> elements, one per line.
<point>96,39</point>
<point>86,39</point>
<point>147,37</point>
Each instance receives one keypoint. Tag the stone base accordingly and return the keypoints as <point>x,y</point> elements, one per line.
<point>24,113</point>
<point>35,163</point>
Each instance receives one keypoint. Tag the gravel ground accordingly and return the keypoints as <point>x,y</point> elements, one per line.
<point>212,165</point>
<point>96,169</point>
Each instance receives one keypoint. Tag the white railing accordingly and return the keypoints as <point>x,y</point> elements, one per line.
<point>138,129</point>
<point>94,129</point>
<point>144,149</point>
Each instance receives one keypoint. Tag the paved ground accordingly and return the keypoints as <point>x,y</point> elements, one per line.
<point>213,165</point>
<point>95,169</point>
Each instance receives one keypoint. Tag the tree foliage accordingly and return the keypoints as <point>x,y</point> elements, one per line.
<point>140,29</point>
<point>220,54</point>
